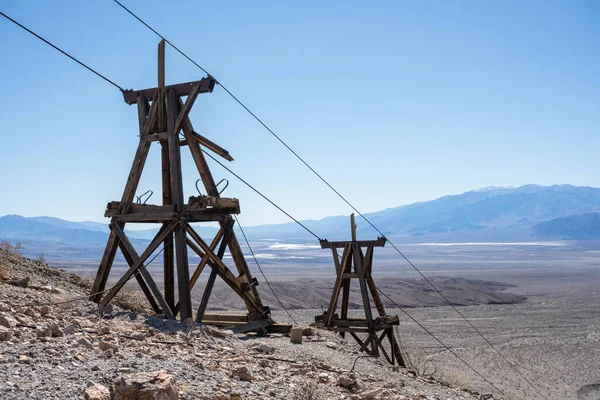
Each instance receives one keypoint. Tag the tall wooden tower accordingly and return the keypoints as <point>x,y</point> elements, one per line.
<point>162,115</point>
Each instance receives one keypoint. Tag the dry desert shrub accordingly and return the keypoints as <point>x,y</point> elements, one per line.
<point>308,391</point>
<point>130,299</point>
<point>8,253</point>
<point>510,396</point>
<point>456,378</point>
<point>422,363</point>
<point>5,272</point>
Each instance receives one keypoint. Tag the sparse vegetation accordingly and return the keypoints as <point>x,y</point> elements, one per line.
<point>11,249</point>
<point>8,253</point>
<point>130,299</point>
<point>456,378</point>
<point>41,258</point>
<point>308,391</point>
<point>422,363</point>
<point>510,396</point>
<point>5,272</point>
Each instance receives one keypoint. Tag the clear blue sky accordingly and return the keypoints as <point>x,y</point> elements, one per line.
<point>393,102</point>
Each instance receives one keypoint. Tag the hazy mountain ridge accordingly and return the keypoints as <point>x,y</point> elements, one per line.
<point>494,213</point>
<point>582,226</point>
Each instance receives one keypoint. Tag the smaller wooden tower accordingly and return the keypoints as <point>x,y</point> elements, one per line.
<point>369,332</point>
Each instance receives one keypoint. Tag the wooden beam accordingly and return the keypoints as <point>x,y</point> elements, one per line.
<point>345,268</point>
<point>138,163</point>
<point>353,227</point>
<point>162,117</point>
<point>213,273</point>
<point>205,258</point>
<point>251,326</point>
<point>211,146</point>
<point>168,253</point>
<point>140,280</point>
<point>198,138</point>
<point>182,89</point>
<point>183,273</point>
<point>380,242</point>
<point>105,265</point>
<point>160,237</point>
<point>360,268</point>
<point>187,107</point>
<point>152,120</point>
<point>225,273</point>
<point>131,256</point>
<point>204,205</point>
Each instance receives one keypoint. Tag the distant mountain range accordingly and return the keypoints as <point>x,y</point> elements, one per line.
<point>493,213</point>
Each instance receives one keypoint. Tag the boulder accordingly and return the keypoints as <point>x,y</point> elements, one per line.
<point>5,334</point>
<point>346,381</point>
<point>157,385</point>
<point>85,343</point>
<point>43,330</point>
<point>44,310</point>
<point>7,322</point>
<point>265,348</point>
<point>97,392</point>
<point>296,335</point>
<point>104,345</point>
<point>56,330</point>
<point>243,373</point>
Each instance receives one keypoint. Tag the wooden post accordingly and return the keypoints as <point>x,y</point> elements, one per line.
<point>183,273</point>
<point>213,272</point>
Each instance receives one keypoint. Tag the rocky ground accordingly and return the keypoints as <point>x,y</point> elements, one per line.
<point>53,347</point>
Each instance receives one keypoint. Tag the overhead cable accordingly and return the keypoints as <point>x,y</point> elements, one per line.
<point>62,51</point>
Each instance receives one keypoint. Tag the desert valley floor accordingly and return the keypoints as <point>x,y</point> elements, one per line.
<point>553,337</point>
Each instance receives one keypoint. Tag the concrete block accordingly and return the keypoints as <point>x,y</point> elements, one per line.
<point>296,335</point>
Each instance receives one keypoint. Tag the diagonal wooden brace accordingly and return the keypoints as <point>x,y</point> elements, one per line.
<point>224,272</point>
<point>132,254</point>
<point>158,239</point>
<point>213,274</point>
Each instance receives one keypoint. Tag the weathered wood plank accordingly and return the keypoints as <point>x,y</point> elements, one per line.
<point>166,217</point>
<point>131,257</point>
<point>181,89</point>
<point>206,205</point>
<point>226,317</point>
<point>187,107</point>
<point>162,118</point>
<point>105,266</point>
<point>205,258</point>
<point>183,273</point>
<point>360,268</point>
<point>346,267</point>
<point>224,272</point>
<point>213,273</point>
<point>251,326</point>
<point>326,244</point>
<point>138,165</point>
<point>160,237</point>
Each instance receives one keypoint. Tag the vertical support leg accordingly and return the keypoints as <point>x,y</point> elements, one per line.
<point>105,265</point>
<point>183,272</point>
<point>359,265</point>
<point>213,272</point>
